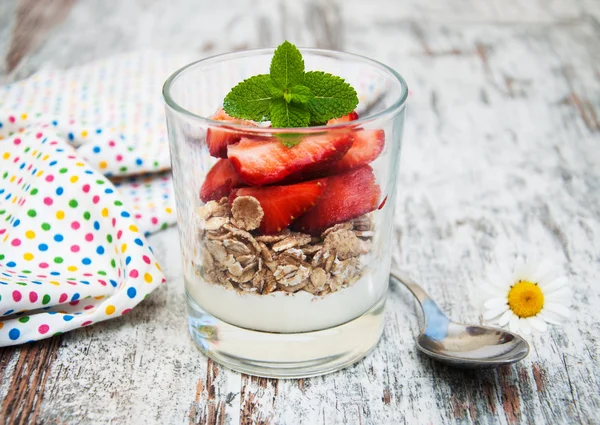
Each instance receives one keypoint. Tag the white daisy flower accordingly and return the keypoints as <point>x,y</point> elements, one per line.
<point>528,298</point>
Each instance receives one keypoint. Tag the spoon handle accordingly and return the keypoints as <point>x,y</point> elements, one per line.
<point>436,322</point>
<point>412,286</point>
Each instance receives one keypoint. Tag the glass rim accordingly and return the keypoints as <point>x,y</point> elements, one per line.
<point>396,107</point>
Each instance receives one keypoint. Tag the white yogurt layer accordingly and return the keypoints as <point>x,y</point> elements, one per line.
<point>284,312</point>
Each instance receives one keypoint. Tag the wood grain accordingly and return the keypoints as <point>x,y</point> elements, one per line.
<point>500,157</point>
<point>28,381</point>
<point>258,397</point>
<point>33,20</point>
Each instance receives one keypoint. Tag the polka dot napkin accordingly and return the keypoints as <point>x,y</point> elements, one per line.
<point>113,112</point>
<point>72,245</point>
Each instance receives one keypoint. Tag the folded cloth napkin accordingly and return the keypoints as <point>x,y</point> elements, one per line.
<point>72,246</point>
<point>112,111</point>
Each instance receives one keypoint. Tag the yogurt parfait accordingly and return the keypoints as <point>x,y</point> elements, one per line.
<point>285,195</point>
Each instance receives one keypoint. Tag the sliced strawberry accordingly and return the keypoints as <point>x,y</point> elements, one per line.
<point>218,138</point>
<point>221,178</point>
<point>367,146</point>
<point>283,204</point>
<point>352,116</point>
<point>348,195</point>
<point>262,162</point>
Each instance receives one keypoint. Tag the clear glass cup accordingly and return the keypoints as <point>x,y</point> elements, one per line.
<point>291,304</point>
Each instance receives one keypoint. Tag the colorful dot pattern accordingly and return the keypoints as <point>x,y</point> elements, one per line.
<point>112,111</point>
<point>72,251</point>
<point>150,198</point>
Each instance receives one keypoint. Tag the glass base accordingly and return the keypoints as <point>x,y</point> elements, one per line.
<point>285,355</point>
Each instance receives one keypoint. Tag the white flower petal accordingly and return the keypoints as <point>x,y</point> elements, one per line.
<point>494,312</point>
<point>549,317</point>
<point>504,319</point>
<point>544,267</point>
<point>562,296</point>
<point>505,274</point>
<point>500,282</point>
<point>493,277</point>
<point>494,291</point>
<point>513,323</point>
<point>518,269</point>
<point>558,309</point>
<point>529,269</point>
<point>495,303</point>
<point>538,324</point>
<point>524,325</point>
<point>548,278</point>
<point>553,285</point>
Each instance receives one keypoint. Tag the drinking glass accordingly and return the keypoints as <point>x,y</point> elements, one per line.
<point>296,303</point>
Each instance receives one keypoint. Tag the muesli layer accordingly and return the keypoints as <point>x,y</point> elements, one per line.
<point>232,254</point>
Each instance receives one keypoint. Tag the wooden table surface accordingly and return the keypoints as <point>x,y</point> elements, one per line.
<point>501,156</point>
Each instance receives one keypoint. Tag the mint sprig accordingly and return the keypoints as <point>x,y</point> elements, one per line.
<point>331,97</point>
<point>290,114</point>
<point>290,97</point>
<point>250,100</point>
<point>287,66</point>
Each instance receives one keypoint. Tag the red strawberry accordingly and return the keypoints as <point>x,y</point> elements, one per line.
<point>262,162</point>
<point>221,178</point>
<point>348,195</point>
<point>367,146</point>
<point>218,138</point>
<point>283,204</point>
<point>346,118</point>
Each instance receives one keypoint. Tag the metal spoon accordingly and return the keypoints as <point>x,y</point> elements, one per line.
<point>464,346</point>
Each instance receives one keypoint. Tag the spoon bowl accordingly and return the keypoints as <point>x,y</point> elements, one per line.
<point>459,345</point>
<point>472,346</point>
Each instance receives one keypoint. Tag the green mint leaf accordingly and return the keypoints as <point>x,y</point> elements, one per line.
<point>287,66</point>
<point>333,97</point>
<point>285,115</point>
<point>300,94</point>
<point>290,97</point>
<point>250,99</point>
<point>290,139</point>
<point>275,91</point>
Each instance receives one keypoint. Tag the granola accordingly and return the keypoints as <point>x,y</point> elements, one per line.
<point>247,213</point>
<point>237,259</point>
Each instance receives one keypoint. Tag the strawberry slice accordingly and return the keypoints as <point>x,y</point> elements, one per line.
<point>348,195</point>
<point>283,204</point>
<point>218,138</point>
<point>262,162</point>
<point>346,118</point>
<point>221,178</point>
<point>367,146</point>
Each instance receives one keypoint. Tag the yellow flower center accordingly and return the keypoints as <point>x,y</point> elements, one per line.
<point>525,299</point>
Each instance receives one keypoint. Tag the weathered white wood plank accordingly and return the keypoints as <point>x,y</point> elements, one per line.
<point>7,21</point>
<point>501,157</point>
